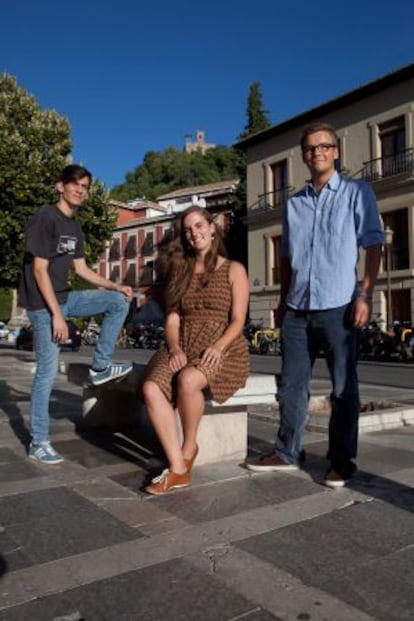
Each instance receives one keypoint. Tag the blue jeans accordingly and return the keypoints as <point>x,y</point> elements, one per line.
<point>115,307</point>
<point>303,333</point>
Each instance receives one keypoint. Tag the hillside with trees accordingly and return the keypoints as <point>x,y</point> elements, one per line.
<point>171,169</point>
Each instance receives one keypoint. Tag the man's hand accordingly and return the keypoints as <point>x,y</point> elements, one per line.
<point>361,312</point>
<point>60,329</point>
<point>280,312</point>
<point>126,291</point>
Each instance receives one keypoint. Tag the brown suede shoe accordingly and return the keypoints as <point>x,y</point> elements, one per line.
<point>190,461</point>
<point>167,481</point>
<point>269,463</point>
<point>339,476</point>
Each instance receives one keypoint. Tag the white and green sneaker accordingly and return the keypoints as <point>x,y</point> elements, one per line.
<point>45,453</point>
<point>112,372</point>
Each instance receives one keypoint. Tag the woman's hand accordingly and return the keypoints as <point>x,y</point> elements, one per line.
<point>211,357</point>
<point>177,360</point>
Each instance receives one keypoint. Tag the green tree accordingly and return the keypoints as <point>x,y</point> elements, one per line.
<point>257,120</point>
<point>257,115</point>
<point>171,169</point>
<point>34,146</point>
<point>98,221</point>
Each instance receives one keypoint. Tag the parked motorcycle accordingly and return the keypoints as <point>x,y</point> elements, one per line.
<point>90,336</point>
<point>145,336</point>
<point>386,345</point>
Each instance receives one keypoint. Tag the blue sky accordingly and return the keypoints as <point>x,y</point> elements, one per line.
<point>136,76</point>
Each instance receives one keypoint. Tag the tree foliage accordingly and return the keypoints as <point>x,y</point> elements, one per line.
<point>98,221</point>
<point>33,148</point>
<point>35,145</point>
<point>257,115</point>
<point>171,169</point>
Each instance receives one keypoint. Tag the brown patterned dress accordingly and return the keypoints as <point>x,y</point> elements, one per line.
<point>205,314</point>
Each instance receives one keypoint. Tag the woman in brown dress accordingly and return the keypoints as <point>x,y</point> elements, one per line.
<point>206,305</point>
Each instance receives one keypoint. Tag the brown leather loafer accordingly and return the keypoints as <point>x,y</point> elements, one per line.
<point>269,463</point>
<point>189,463</point>
<point>168,481</point>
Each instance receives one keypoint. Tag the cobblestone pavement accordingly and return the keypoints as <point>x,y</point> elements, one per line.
<point>81,540</point>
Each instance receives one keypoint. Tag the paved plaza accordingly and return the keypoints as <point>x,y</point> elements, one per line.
<point>82,541</point>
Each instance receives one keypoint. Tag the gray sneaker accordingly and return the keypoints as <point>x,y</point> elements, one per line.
<point>45,453</point>
<point>112,372</point>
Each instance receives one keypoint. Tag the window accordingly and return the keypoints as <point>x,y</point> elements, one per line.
<point>401,304</point>
<point>398,222</point>
<point>147,274</point>
<point>115,273</point>
<point>148,245</point>
<point>338,163</point>
<point>276,241</point>
<point>279,182</point>
<point>131,247</point>
<point>131,276</point>
<point>392,139</point>
<point>115,250</point>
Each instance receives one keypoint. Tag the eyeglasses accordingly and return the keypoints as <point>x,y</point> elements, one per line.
<point>323,148</point>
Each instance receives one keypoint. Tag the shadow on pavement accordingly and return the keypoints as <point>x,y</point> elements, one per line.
<point>9,399</point>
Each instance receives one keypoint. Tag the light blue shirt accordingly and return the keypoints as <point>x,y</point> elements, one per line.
<point>321,238</point>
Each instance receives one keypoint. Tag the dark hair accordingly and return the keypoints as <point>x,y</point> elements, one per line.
<point>181,258</point>
<point>318,127</point>
<point>74,172</point>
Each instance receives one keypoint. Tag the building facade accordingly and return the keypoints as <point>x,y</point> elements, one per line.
<point>375,125</point>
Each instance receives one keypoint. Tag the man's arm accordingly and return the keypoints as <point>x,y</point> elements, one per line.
<point>41,275</point>
<point>285,276</point>
<point>89,275</point>
<point>363,303</point>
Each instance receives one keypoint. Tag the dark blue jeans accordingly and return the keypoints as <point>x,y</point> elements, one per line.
<point>303,333</point>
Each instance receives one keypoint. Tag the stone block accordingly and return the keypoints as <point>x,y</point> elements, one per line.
<point>223,430</point>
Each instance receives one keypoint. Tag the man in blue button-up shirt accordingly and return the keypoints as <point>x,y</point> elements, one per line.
<point>321,304</point>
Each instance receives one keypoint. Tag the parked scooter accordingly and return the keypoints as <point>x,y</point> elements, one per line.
<point>90,335</point>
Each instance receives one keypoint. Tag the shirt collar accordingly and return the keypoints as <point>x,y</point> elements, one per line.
<point>333,183</point>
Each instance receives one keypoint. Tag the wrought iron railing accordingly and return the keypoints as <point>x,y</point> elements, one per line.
<point>272,200</point>
<point>388,166</point>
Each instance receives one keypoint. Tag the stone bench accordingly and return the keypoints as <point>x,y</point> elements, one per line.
<point>223,429</point>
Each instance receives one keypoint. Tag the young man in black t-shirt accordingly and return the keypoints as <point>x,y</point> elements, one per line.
<point>55,243</point>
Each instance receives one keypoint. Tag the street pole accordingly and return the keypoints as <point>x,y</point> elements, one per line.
<point>388,242</point>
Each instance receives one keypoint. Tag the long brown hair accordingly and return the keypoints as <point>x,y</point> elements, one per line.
<point>182,258</point>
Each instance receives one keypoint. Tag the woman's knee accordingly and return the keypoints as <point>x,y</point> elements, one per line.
<point>150,390</point>
<point>190,381</point>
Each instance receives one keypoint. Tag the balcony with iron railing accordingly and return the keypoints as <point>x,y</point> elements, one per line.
<point>389,166</point>
<point>271,200</point>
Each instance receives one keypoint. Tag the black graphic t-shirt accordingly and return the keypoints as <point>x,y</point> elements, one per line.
<point>50,235</point>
